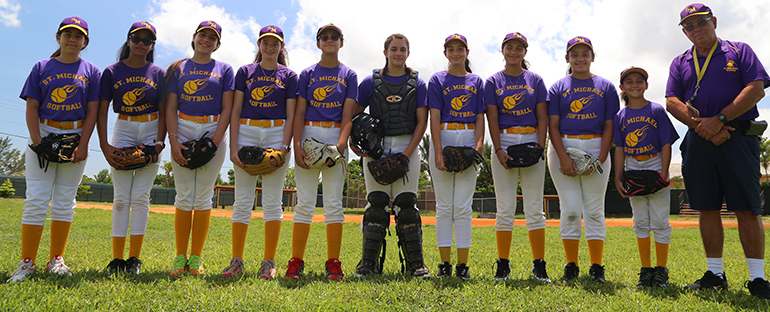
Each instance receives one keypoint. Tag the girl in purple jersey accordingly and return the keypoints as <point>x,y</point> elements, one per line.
<point>62,96</point>
<point>263,115</point>
<point>643,138</point>
<point>516,110</point>
<point>455,100</point>
<point>200,91</point>
<point>134,85</point>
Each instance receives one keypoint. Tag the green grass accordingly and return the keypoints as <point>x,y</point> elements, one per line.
<point>89,251</point>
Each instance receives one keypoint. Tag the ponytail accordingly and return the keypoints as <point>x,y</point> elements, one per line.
<point>624,97</point>
<point>468,65</point>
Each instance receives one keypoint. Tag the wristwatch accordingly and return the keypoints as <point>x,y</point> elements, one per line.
<point>721,117</point>
<point>287,147</point>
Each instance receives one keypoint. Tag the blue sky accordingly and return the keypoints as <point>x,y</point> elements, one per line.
<point>624,33</point>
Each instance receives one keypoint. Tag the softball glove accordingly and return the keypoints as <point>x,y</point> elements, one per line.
<point>320,152</point>
<point>584,161</point>
<point>256,160</point>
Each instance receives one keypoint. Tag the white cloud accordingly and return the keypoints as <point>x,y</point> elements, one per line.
<point>9,13</point>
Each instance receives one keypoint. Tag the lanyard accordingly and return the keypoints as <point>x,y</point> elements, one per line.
<point>698,71</point>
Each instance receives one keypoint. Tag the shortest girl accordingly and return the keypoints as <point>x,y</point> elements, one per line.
<point>643,138</point>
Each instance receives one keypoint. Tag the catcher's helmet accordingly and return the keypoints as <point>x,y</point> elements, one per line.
<point>367,135</point>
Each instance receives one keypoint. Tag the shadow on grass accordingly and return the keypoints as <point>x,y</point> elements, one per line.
<point>732,297</point>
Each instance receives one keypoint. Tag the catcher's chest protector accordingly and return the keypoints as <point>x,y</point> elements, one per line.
<point>395,104</point>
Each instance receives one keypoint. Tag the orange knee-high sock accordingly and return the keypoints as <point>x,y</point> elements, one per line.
<point>30,240</point>
<point>135,246</point>
<point>445,253</point>
<point>661,254</point>
<point>239,238</point>
<point>60,232</point>
<point>503,239</point>
<point>537,243</point>
<point>182,226</point>
<point>596,251</point>
<point>299,235</point>
<point>462,255</point>
<point>118,246</point>
<point>272,233</point>
<point>571,249</point>
<point>200,229</point>
<point>333,240</point>
<point>644,251</point>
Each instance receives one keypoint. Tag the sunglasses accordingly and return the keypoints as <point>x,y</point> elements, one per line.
<point>144,41</point>
<point>332,37</point>
<point>701,22</point>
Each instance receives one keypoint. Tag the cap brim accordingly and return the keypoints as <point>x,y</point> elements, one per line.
<point>270,34</point>
<point>76,27</point>
<point>335,28</point>
<point>694,14</point>
<point>526,45</point>
<point>446,43</point>
<point>583,43</point>
<point>212,28</point>
<point>634,70</point>
<point>154,36</point>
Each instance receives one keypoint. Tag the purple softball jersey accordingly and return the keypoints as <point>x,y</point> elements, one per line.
<point>643,131</point>
<point>200,86</point>
<point>265,91</point>
<point>459,99</point>
<point>326,89</point>
<point>365,89</point>
<point>583,105</point>
<point>515,97</point>
<point>133,91</point>
<point>63,90</point>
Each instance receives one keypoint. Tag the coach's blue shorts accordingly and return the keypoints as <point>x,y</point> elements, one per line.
<point>730,171</point>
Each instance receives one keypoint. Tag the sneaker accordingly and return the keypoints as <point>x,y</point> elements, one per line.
<point>571,272</point>
<point>759,288</point>
<point>180,265</point>
<point>267,269</point>
<point>115,266</point>
<point>503,269</point>
<point>660,279</point>
<point>134,266</point>
<point>57,266</point>
<point>235,267</point>
<point>444,270</point>
<point>597,273</point>
<point>539,272</point>
<point>26,267</point>
<point>646,277</point>
<point>463,271</point>
<point>710,280</point>
<point>423,272</point>
<point>195,265</point>
<point>334,270</point>
<point>295,269</point>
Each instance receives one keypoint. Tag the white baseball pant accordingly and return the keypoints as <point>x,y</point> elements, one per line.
<point>651,211</point>
<point>195,188</point>
<point>394,145</point>
<point>307,182</point>
<point>506,183</point>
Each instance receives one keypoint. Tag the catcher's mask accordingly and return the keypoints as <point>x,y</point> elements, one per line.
<point>367,135</point>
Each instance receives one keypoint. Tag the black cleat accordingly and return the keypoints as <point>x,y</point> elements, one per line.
<point>134,266</point>
<point>597,273</point>
<point>759,288</point>
<point>463,272</point>
<point>503,269</point>
<point>646,277</point>
<point>115,266</point>
<point>444,270</point>
<point>710,280</point>
<point>571,272</point>
<point>660,279</point>
<point>538,271</point>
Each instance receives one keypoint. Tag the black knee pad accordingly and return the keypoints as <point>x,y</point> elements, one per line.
<point>409,216</point>
<point>377,211</point>
<point>378,199</point>
<point>405,200</point>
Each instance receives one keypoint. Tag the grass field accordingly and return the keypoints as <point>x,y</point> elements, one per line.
<point>89,251</point>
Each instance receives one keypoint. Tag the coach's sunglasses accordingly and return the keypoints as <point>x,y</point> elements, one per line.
<point>144,41</point>
<point>701,22</point>
<point>332,37</point>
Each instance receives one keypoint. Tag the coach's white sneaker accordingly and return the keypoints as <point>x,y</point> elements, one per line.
<point>26,267</point>
<point>57,266</point>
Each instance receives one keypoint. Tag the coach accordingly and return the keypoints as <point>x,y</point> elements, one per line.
<point>713,88</point>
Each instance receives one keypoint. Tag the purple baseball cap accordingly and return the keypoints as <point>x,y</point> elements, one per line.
<point>327,27</point>
<point>693,10</point>
<point>211,25</point>
<point>579,40</point>
<point>271,30</point>
<point>632,70</point>
<point>516,36</point>
<point>456,36</point>
<point>74,22</point>
<point>142,25</point>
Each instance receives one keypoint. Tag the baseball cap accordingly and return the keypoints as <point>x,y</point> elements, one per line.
<point>271,30</point>
<point>74,22</point>
<point>579,40</point>
<point>327,27</point>
<point>693,10</point>
<point>210,25</point>
<point>456,36</point>
<point>632,70</point>
<point>142,25</point>
<point>516,36</point>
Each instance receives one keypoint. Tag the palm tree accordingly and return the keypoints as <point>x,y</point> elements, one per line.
<point>169,169</point>
<point>425,151</point>
<point>764,153</point>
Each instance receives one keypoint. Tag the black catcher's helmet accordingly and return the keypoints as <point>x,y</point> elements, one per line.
<point>367,135</point>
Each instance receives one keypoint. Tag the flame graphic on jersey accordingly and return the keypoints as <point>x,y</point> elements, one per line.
<point>459,102</point>
<point>580,104</point>
<point>322,93</point>
<point>193,86</point>
<point>637,135</point>
<point>511,101</point>
<point>262,92</point>
<point>62,93</point>
<point>134,95</point>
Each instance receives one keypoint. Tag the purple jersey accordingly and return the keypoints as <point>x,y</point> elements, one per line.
<point>201,86</point>
<point>583,105</point>
<point>366,86</point>
<point>733,66</point>
<point>326,89</point>
<point>515,97</point>
<point>643,131</point>
<point>133,91</point>
<point>63,90</point>
<point>265,91</point>
<point>459,99</point>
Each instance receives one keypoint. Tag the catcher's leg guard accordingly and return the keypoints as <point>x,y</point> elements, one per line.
<point>409,231</point>
<point>376,221</point>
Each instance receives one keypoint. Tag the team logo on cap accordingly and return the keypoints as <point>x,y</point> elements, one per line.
<point>145,24</point>
<point>77,21</point>
<point>580,104</point>
<point>193,86</point>
<point>456,37</point>
<point>134,95</point>
<point>459,102</point>
<point>637,135</point>
<point>731,66</point>
<point>511,101</point>
<point>262,92</point>
<point>271,29</point>
<point>60,94</point>
<point>691,9</point>
<point>212,24</point>
<point>322,93</point>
